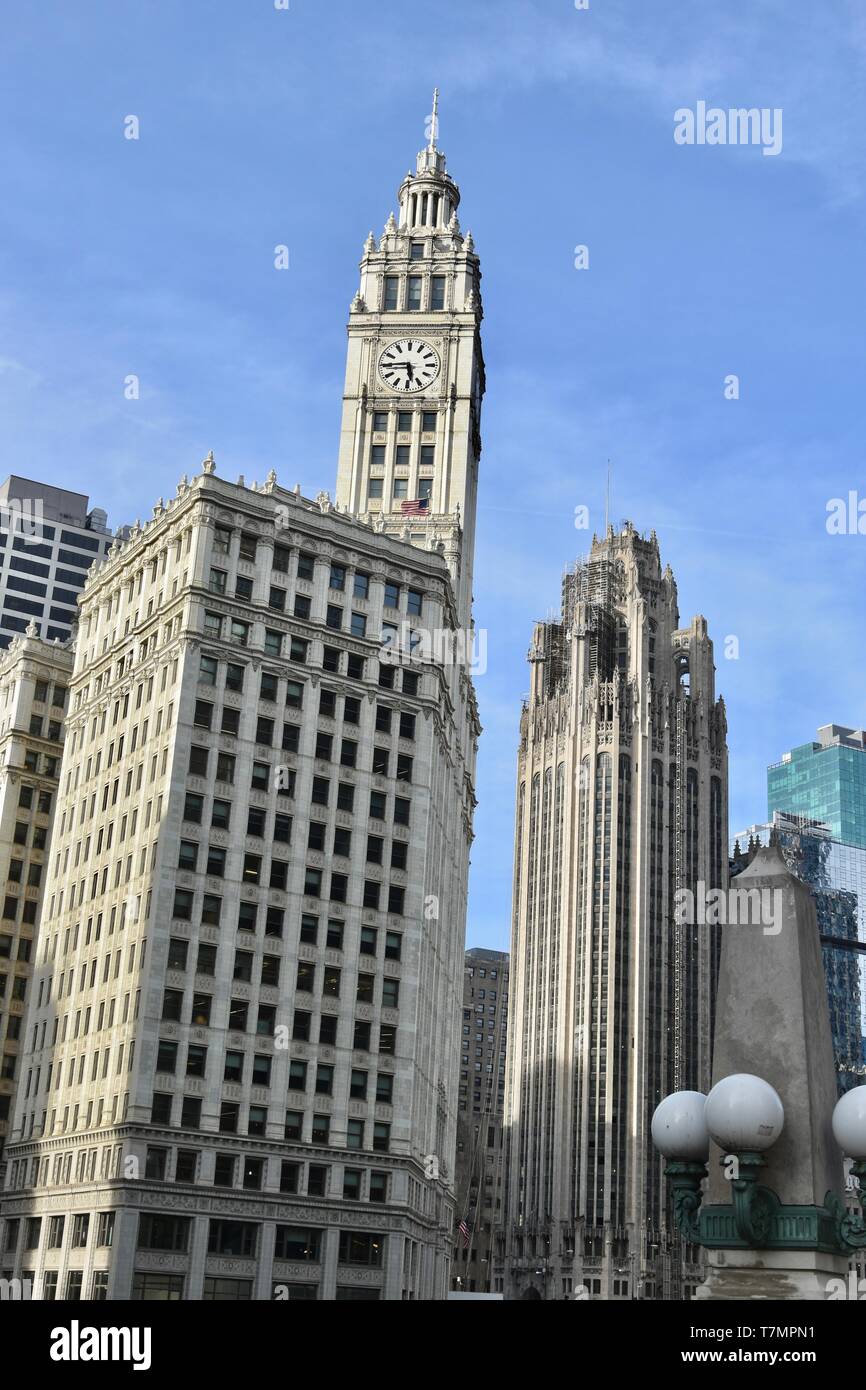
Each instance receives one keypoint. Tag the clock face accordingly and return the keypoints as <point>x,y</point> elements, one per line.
<point>408,365</point>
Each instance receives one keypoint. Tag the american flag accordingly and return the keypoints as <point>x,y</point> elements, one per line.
<point>417,504</point>
<point>465,1233</point>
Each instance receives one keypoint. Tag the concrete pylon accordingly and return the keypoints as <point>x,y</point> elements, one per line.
<point>772,1020</point>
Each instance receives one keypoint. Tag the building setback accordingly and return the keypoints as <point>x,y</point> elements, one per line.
<point>245,1027</point>
<point>48,541</point>
<point>479,1123</point>
<point>34,676</point>
<point>621,799</point>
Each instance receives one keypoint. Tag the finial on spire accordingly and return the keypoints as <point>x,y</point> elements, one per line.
<point>434,120</point>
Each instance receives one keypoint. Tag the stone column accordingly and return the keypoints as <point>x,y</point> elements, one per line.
<point>773,1021</point>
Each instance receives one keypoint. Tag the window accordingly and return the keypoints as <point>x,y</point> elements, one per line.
<point>361,1248</point>
<point>289,1175</point>
<point>306,565</point>
<point>247,547</point>
<point>261,778</point>
<point>253,1172</point>
<point>384,1089</point>
<point>393,945</point>
<point>80,1226</point>
<point>225,769</point>
<point>359,625</point>
<point>361,585</point>
<point>229,1112</point>
<point>243,589</point>
<point>378,1187</point>
<point>352,1184</point>
<point>416,251</point>
<point>390,993</point>
<point>375,488</point>
<point>105,1229</point>
<point>413,292</point>
<point>281,559</point>
<point>358,1085</point>
<point>257,1119</point>
<point>198,761</point>
<point>238,1009</point>
<point>252,870</point>
<point>414,602</point>
<point>293,1125</point>
<point>361,1039</point>
<point>157,1232</point>
<point>381,1137</point>
<point>208,670</point>
<point>428,421</point>
<point>355,1134</point>
<point>236,1238</point>
<point>233,1067</point>
<point>155,1164</point>
<point>401,487</point>
<point>234,677</point>
<point>297,1244</point>
<point>437,292</point>
<point>321,1129</point>
<point>187,855</point>
<point>392,596</point>
<point>166,1056</point>
<point>390,292</point>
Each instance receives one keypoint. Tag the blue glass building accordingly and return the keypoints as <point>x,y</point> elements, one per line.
<point>824,781</point>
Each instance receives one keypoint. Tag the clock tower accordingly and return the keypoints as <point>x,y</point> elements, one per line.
<point>411,438</point>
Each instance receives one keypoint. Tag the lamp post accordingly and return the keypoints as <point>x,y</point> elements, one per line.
<point>744,1116</point>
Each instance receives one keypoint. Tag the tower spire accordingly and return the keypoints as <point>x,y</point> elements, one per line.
<point>434,120</point>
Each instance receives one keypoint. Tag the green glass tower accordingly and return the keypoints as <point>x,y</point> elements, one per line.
<point>824,781</point>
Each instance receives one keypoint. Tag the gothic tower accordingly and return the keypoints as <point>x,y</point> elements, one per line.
<point>410,440</point>
<point>621,800</point>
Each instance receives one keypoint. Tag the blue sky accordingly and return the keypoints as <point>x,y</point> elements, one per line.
<point>261,126</point>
